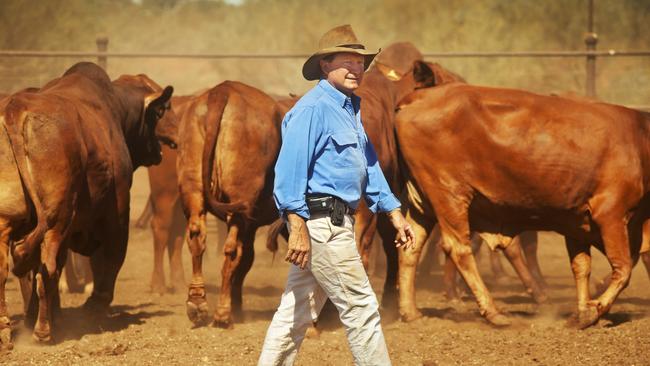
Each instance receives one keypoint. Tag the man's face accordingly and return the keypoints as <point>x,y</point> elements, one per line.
<point>344,71</point>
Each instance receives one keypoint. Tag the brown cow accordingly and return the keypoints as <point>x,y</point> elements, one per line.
<point>164,210</point>
<point>167,220</point>
<point>229,141</point>
<point>67,155</point>
<point>502,161</point>
<point>398,70</point>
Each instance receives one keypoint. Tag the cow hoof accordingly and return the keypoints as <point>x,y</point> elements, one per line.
<point>42,334</point>
<point>158,288</point>
<point>540,297</point>
<point>498,320</point>
<point>223,323</point>
<point>410,316</point>
<point>97,307</point>
<point>198,312</point>
<point>584,318</point>
<point>197,305</point>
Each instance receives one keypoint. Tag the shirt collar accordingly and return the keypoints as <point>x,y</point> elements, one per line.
<point>339,97</point>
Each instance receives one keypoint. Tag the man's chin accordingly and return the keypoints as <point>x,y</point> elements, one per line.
<point>351,85</point>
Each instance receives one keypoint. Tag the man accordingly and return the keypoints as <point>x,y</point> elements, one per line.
<point>326,164</point>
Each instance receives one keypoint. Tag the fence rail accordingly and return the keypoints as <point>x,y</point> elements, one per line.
<point>102,54</point>
<point>603,53</point>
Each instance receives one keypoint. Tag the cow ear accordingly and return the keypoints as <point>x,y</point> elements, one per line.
<point>157,103</point>
<point>389,73</point>
<point>423,75</point>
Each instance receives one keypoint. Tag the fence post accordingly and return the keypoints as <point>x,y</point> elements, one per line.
<point>102,46</point>
<point>591,39</point>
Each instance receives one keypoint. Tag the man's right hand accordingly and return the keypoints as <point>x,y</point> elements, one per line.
<point>299,243</point>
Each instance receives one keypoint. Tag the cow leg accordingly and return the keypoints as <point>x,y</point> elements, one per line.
<point>513,253</point>
<point>247,238</point>
<point>645,258</point>
<point>5,323</point>
<point>580,259</point>
<point>497,268</point>
<point>449,280</point>
<point>47,281</point>
<point>196,304</point>
<point>175,249</point>
<point>430,253</point>
<point>232,252</point>
<point>106,263</point>
<point>387,233</point>
<point>454,227</point>
<point>146,215</point>
<point>408,260</point>
<point>528,240</point>
<point>364,229</point>
<point>617,249</point>
<point>161,224</point>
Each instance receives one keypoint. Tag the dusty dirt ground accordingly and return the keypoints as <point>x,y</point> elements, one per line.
<point>148,329</point>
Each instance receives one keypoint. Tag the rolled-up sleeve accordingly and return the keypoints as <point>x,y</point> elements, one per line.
<point>300,131</point>
<point>378,194</point>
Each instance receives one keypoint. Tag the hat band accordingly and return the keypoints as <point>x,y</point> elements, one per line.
<point>353,46</point>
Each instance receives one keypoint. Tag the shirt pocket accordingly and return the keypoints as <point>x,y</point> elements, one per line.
<point>346,146</point>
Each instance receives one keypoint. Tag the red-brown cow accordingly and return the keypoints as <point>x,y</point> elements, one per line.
<point>229,141</point>
<point>398,70</point>
<point>67,155</point>
<point>501,161</point>
<point>167,220</point>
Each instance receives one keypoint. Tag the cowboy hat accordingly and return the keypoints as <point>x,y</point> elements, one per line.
<point>336,40</point>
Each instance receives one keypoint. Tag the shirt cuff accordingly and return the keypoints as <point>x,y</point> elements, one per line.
<point>387,204</point>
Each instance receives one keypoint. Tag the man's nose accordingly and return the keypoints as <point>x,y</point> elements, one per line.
<point>357,69</point>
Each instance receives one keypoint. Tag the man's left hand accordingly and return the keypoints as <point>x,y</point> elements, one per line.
<point>405,234</point>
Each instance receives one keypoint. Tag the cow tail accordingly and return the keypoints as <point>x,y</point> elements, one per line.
<point>410,192</point>
<point>276,229</point>
<point>24,252</point>
<point>218,99</point>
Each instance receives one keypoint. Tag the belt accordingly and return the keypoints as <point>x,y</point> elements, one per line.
<point>325,204</point>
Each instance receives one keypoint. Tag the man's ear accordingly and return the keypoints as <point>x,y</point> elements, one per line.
<point>324,66</point>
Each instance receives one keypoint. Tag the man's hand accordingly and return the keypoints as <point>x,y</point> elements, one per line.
<point>405,235</point>
<point>299,244</point>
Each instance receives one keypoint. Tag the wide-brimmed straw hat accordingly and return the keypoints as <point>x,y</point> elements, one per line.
<point>336,40</point>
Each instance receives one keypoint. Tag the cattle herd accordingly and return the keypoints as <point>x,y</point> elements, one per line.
<point>499,163</point>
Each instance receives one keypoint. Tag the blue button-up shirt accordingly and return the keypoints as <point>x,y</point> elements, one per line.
<point>325,150</point>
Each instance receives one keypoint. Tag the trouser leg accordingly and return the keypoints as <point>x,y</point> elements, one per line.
<point>337,267</point>
<point>301,302</point>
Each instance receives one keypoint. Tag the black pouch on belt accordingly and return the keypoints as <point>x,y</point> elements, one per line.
<point>337,213</point>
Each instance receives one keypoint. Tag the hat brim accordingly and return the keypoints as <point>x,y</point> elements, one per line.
<point>311,69</point>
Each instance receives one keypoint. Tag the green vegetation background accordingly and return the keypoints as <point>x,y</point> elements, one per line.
<point>294,26</point>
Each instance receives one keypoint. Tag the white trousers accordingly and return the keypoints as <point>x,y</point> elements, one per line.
<point>335,271</point>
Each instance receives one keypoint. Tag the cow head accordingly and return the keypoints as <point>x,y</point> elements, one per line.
<point>403,64</point>
<point>158,124</point>
<point>151,119</point>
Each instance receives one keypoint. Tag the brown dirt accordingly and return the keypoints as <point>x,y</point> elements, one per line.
<point>147,329</point>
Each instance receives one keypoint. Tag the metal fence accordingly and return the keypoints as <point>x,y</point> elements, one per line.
<point>590,55</point>
<point>102,55</point>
